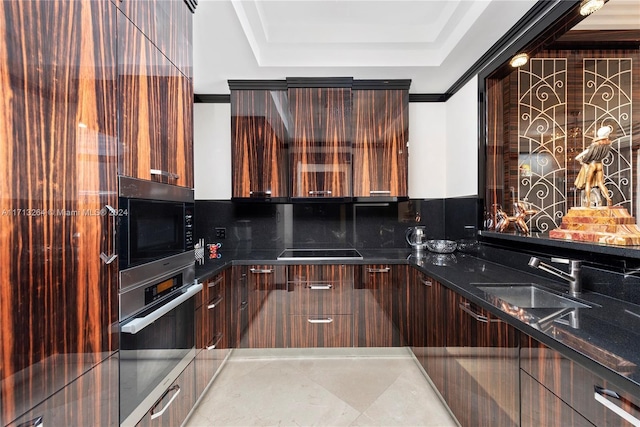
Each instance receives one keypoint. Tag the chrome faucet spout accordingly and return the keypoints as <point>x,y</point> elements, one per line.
<point>574,279</point>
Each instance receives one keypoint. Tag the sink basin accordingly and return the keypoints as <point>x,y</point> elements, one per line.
<point>530,296</point>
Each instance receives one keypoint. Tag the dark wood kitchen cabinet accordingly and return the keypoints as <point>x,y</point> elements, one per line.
<point>211,329</point>
<point>259,144</point>
<point>380,136</point>
<point>175,404</point>
<point>563,387</point>
<point>168,24</point>
<point>258,306</point>
<point>320,305</point>
<point>375,309</point>
<point>155,110</point>
<point>320,149</point>
<point>58,156</point>
<point>88,400</point>
<point>481,376</point>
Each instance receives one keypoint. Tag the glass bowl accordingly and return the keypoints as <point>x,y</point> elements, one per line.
<point>441,246</point>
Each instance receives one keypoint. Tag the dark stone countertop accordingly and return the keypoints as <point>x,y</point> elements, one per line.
<point>604,338</point>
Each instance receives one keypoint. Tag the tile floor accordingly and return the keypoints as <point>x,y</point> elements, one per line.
<point>321,387</point>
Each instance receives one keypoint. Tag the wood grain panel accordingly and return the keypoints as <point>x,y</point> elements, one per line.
<point>373,300</point>
<point>177,410</point>
<point>169,25</point>
<point>156,111</point>
<point>540,407</point>
<point>481,365</point>
<point>336,332</point>
<point>58,125</point>
<point>89,400</point>
<point>321,146</point>
<point>259,144</point>
<point>380,136</point>
<point>267,323</point>
<point>320,289</point>
<point>211,333</point>
<point>572,383</point>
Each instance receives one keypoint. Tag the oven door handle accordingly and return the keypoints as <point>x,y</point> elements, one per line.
<point>138,324</point>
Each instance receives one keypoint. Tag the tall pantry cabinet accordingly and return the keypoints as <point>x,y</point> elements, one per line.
<point>61,71</point>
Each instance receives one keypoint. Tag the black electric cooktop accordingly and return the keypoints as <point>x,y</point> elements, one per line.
<point>319,254</point>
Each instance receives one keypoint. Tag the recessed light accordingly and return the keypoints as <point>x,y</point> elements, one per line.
<point>587,7</point>
<point>519,60</point>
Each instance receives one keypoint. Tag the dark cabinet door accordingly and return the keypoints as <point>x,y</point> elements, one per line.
<point>481,365</point>
<point>374,308</point>
<point>258,306</point>
<point>155,111</point>
<point>169,24</point>
<point>259,144</point>
<point>321,145</point>
<point>380,137</point>
<point>58,156</point>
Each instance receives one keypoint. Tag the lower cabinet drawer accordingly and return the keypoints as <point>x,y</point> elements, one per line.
<point>598,401</point>
<point>174,405</point>
<point>540,407</point>
<point>315,330</point>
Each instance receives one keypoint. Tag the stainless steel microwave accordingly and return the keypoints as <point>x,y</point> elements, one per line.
<point>155,221</point>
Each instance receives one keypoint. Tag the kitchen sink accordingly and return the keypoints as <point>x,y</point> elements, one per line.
<point>530,296</point>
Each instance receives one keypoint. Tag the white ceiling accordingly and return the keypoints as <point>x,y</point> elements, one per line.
<point>431,42</point>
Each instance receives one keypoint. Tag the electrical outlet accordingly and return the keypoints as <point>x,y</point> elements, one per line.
<point>221,233</point>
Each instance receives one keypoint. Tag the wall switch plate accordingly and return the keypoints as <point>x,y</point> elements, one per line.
<point>221,233</point>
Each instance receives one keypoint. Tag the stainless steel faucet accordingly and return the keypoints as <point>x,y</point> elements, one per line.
<point>573,277</point>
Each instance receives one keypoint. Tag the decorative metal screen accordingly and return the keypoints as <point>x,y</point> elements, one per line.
<point>542,140</point>
<point>607,101</point>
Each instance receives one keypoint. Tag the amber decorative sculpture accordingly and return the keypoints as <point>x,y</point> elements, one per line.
<point>611,225</point>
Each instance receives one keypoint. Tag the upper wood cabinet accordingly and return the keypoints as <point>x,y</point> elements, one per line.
<point>259,120</point>
<point>155,111</point>
<point>321,143</point>
<point>380,136</point>
<point>168,24</point>
<point>58,156</point>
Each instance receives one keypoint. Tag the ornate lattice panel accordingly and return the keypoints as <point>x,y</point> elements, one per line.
<point>542,140</point>
<point>607,101</point>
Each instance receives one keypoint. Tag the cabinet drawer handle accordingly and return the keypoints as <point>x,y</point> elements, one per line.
<point>426,282</point>
<point>216,302</point>
<point>215,282</point>
<point>479,317</point>
<point>600,394</point>
<point>379,270</point>
<point>315,321</point>
<point>321,287</point>
<point>379,191</point>
<point>164,174</point>
<point>261,270</point>
<point>216,340</point>
<point>36,422</point>
<point>108,259</point>
<point>175,388</point>
<point>319,192</point>
<point>259,193</point>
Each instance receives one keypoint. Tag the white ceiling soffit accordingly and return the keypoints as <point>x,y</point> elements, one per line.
<point>432,42</point>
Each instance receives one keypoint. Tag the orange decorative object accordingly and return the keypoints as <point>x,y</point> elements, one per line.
<point>612,225</point>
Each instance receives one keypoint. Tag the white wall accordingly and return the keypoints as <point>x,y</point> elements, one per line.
<point>462,141</point>
<point>212,151</point>
<point>427,150</point>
